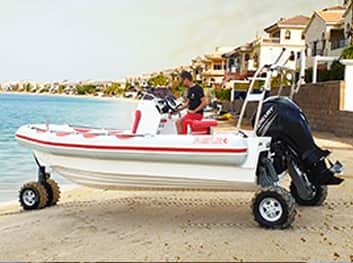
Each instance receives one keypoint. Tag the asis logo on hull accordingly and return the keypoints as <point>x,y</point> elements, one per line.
<point>210,140</point>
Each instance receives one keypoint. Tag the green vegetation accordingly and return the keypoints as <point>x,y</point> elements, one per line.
<point>336,72</point>
<point>44,90</point>
<point>223,94</point>
<point>179,90</point>
<point>27,87</point>
<point>113,90</point>
<point>347,53</point>
<point>61,89</point>
<point>276,82</point>
<point>86,89</point>
<point>245,86</point>
<point>159,80</point>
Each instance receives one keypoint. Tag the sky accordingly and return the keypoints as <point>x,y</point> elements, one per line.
<point>51,40</point>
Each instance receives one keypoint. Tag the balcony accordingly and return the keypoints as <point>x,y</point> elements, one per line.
<point>337,44</point>
<point>213,72</point>
<point>271,40</point>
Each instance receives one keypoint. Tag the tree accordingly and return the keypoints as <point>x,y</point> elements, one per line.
<point>86,89</point>
<point>114,89</point>
<point>159,80</point>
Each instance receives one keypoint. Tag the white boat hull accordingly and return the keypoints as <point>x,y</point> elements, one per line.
<point>102,159</point>
<point>115,174</point>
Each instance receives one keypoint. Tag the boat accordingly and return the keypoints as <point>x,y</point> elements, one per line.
<point>109,159</point>
<point>152,155</point>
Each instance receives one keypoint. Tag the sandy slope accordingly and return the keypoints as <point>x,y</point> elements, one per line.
<point>90,225</point>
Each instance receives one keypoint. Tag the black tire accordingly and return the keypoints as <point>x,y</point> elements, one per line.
<point>53,191</point>
<point>281,201</point>
<point>318,199</point>
<point>33,196</point>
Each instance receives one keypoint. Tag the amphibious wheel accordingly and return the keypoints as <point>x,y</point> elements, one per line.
<point>53,191</point>
<point>320,195</point>
<point>33,196</point>
<point>274,207</point>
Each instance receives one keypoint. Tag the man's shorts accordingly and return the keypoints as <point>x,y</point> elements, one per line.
<point>192,117</point>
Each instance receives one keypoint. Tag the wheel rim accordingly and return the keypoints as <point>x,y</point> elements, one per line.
<point>270,209</point>
<point>29,197</point>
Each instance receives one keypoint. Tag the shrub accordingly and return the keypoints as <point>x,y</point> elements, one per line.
<point>27,87</point>
<point>60,89</point>
<point>223,94</point>
<point>44,90</point>
<point>347,53</point>
<point>159,80</point>
<point>276,82</point>
<point>86,89</point>
<point>336,71</point>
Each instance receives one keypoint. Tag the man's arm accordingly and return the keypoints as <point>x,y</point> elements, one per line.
<point>201,106</point>
<point>185,105</point>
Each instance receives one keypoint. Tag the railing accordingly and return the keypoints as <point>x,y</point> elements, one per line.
<point>214,72</point>
<point>336,44</point>
<point>271,40</point>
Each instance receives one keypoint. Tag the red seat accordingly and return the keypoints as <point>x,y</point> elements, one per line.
<point>198,127</point>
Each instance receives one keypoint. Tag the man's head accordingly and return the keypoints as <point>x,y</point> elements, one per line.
<point>186,78</point>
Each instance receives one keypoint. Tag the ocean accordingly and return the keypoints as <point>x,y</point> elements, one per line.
<point>16,163</point>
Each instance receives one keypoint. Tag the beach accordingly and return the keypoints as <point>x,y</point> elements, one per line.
<point>95,225</point>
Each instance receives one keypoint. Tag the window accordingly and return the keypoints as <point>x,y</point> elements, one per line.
<point>303,36</point>
<point>323,44</point>
<point>217,66</point>
<point>247,57</point>
<point>314,50</point>
<point>287,35</point>
<point>348,30</point>
<point>230,63</point>
<point>256,60</point>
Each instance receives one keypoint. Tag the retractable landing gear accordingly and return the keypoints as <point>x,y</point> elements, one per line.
<point>37,195</point>
<point>273,206</point>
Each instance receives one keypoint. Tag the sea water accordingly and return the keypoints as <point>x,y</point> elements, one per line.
<point>16,162</point>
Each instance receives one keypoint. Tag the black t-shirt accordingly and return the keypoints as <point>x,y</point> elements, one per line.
<point>195,94</point>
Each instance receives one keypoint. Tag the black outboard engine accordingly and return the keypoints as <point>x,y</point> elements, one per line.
<point>293,146</point>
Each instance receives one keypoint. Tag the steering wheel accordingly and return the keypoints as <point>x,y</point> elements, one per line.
<point>171,103</point>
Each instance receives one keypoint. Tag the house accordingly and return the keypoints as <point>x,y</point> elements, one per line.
<point>210,68</point>
<point>348,22</point>
<point>285,33</point>
<point>325,33</point>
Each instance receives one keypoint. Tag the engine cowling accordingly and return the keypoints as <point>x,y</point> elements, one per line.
<point>286,123</point>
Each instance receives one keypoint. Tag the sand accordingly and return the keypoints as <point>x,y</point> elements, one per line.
<point>94,225</point>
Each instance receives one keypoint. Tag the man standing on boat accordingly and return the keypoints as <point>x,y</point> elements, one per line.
<point>195,102</point>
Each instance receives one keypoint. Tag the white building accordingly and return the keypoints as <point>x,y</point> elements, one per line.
<point>210,68</point>
<point>324,34</point>
<point>285,33</point>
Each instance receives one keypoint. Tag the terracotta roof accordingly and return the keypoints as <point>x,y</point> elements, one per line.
<point>295,21</point>
<point>332,14</point>
<point>244,47</point>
